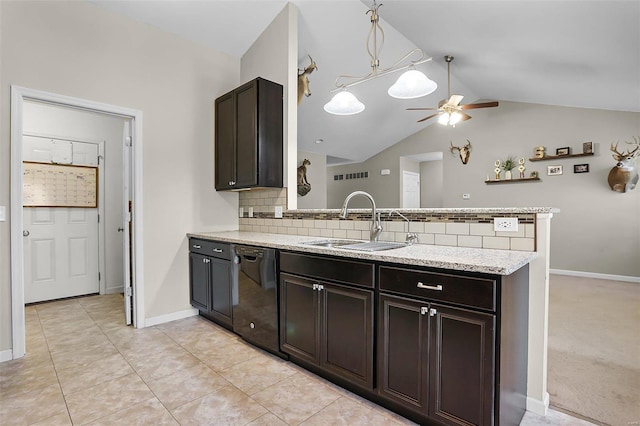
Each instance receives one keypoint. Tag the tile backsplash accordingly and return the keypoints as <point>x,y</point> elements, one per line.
<point>440,228</point>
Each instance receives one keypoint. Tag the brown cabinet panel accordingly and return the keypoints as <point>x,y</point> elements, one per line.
<point>403,352</point>
<point>469,291</point>
<point>328,268</point>
<point>225,146</point>
<point>461,366</point>
<point>299,326</point>
<point>324,324</point>
<point>199,281</point>
<point>246,127</point>
<point>347,333</point>
<point>249,136</point>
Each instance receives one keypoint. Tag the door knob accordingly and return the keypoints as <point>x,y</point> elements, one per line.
<point>120,229</point>
<point>25,233</point>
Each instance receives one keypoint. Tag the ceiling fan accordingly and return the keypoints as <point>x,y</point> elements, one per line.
<point>451,112</point>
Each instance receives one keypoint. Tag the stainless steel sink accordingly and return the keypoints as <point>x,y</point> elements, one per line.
<point>331,243</point>
<point>356,245</point>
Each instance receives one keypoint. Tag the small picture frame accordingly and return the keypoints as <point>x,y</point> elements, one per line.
<point>587,148</point>
<point>563,151</point>
<point>580,168</point>
<point>533,175</point>
<point>554,170</point>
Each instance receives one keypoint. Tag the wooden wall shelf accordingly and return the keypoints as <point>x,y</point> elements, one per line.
<point>511,180</point>
<point>560,157</point>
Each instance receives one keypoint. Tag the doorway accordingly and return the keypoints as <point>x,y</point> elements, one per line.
<point>131,201</point>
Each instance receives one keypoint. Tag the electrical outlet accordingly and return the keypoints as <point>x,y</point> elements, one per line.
<point>466,196</point>
<point>250,211</point>
<point>505,224</point>
<point>278,212</point>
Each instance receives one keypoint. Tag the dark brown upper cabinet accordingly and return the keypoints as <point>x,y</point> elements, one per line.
<point>248,136</point>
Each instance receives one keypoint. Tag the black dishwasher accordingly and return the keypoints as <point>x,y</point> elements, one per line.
<point>255,310</point>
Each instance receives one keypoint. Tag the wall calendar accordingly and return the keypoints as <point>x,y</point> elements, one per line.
<point>57,185</point>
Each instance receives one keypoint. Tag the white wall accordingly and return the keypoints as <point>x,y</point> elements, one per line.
<point>598,230</point>
<point>273,56</point>
<point>431,184</point>
<point>81,50</point>
<point>317,177</point>
<point>57,121</point>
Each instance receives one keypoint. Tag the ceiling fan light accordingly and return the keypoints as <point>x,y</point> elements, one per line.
<point>444,118</point>
<point>412,84</point>
<point>344,103</point>
<point>455,118</point>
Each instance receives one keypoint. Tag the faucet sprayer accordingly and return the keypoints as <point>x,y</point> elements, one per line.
<point>376,227</point>
<point>411,237</point>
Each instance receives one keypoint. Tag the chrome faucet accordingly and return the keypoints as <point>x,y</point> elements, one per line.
<point>376,227</point>
<point>412,237</point>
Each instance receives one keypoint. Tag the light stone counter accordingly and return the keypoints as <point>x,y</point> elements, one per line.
<point>489,261</point>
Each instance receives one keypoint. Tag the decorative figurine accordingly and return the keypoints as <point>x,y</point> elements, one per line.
<point>540,152</point>
<point>497,169</point>
<point>521,167</point>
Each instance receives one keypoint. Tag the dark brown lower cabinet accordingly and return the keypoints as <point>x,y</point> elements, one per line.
<point>436,361</point>
<point>403,353</point>
<point>461,366</point>
<point>329,326</point>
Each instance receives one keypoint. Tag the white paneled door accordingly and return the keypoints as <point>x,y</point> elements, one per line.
<point>410,190</point>
<point>60,243</point>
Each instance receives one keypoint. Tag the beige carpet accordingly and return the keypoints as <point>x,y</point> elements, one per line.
<point>594,348</point>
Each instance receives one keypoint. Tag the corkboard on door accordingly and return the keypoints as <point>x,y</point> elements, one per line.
<point>58,185</point>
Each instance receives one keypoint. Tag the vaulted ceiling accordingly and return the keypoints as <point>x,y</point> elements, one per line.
<point>568,53</point>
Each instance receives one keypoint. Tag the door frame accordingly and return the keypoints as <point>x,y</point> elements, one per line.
<point>18,96</point>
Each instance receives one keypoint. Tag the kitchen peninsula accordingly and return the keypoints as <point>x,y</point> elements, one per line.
<point>436,333</point>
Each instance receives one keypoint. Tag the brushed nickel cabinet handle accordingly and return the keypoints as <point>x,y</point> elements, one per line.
<point>430,287</point>
<point>217,250</point>
<point>197,246</point>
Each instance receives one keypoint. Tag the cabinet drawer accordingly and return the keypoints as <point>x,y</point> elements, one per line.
<point>468,291</point>
<point>333,269</point>
<point>210,248</point>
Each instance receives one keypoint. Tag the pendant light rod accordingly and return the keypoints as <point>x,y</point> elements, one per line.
<point>374,54</point>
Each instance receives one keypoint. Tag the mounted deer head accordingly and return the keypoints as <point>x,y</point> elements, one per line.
<point>303,79</point>
<point>464,152</point>
<point>624,176</point>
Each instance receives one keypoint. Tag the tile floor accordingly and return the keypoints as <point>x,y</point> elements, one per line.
<point>85,367</point>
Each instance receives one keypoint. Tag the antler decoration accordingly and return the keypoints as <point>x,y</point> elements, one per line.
<point>464,152</point>
<point>623,176</point>
<point>303,79</point>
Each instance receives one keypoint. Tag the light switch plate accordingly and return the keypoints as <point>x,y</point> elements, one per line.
<point>505,224</point>
<point>466,196</point>
<point>278,212</point>
<point>250,211</point>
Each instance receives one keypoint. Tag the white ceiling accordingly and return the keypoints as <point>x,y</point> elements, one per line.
<point>570,53</point>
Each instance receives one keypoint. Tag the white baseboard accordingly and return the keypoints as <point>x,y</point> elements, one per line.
<point>161,319</point>
<point>112,290</point>
<point>6,355</point>
<point>596,275</point>
<point>537,406</point>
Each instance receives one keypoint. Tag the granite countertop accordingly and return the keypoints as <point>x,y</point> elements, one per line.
<point>489,261</point>
<point>450,210</point>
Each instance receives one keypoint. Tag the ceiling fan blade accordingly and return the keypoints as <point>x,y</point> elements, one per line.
<point>480,105</point>
<point>421,109</point>
<point>455,100</point>
<point>428,117</point>
<point>465,116</point>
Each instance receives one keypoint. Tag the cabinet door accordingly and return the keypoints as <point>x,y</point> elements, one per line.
<point>199,281</point>
<point>225,142</point>
<point>461,366</point>
<point>403,352</point>
<point>299,325</point>
<point>221,307</point>
<point>347,332</point>
<point>246,135</point>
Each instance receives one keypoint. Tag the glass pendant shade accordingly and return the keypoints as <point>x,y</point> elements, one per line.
<point>455,118</point>
<point>450,119</point>
<point>344,103</point>
<point>412,84</point>
<point>444,118</point>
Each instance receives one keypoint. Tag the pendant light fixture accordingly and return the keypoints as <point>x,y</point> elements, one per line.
<point>411,84</point>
